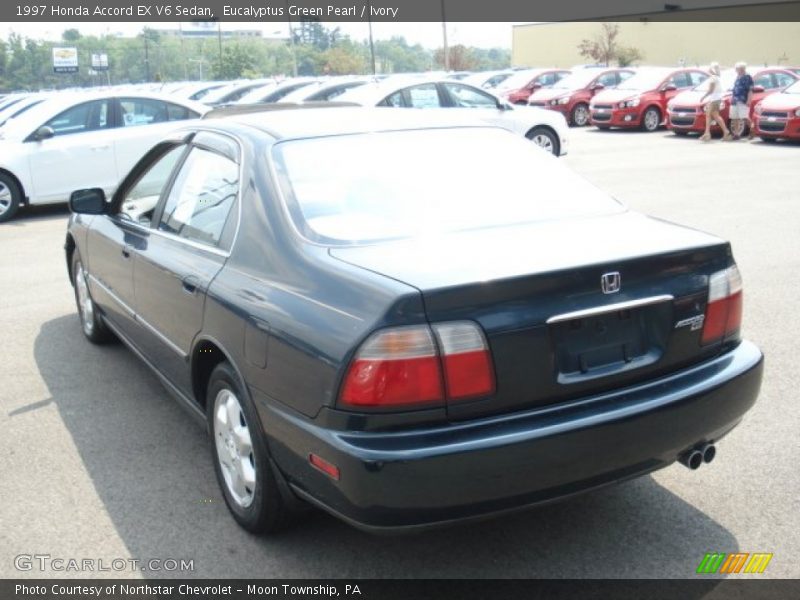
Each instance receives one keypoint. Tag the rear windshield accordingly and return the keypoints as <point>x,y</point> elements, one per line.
<point>391,185</point>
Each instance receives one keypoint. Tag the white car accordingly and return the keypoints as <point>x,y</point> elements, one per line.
<point>324,90</point>
<point>276,91</point>
<point>76,140</point>
<point>545,128</point>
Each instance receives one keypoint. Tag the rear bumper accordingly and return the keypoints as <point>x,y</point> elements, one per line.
<point>410,479</point>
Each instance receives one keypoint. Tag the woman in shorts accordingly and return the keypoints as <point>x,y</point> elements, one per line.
<point>711,102</point>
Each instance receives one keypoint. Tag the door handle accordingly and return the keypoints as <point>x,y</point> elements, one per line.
<point>190,283</point>
<point>100,147</point>
<point>126,252</point>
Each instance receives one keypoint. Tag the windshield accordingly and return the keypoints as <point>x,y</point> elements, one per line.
<point>643,81</point>
<point>518,80</point>
<point>578,80</point>
<point>727,80</point>
<point>392,185</point>
<point>793,89</point>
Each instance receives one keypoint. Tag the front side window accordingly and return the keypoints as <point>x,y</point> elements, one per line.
<point>143,111</point>
<point>140,201</point>
<point>680,80</point>
<point>89,116</point>
<point>607,80</point>
<point>395,100</point>
<point>464,96</point>
<point>201,198</point>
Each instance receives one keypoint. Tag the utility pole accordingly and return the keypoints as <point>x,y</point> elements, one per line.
<point>291,40</point>
<point>444,38</point>
<point>146,57</point>
<point>219,39</point>
<point>371,42</point>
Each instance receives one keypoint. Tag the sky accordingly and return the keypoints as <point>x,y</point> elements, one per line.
<point>484,35</point>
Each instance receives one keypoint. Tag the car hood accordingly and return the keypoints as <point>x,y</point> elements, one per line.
<point>486,255</point>
<point>692,98</point>
<point>781,101</point>
<point>612,96</point>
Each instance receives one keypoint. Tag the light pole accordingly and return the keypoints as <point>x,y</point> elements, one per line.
<point>444,39</point>
<point>371,42</point>
<point>291,40</point>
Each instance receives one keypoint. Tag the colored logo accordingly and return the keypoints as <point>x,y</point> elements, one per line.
<point>731,564</point>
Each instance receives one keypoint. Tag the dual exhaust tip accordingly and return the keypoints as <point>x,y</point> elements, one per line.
<point>698,455</point>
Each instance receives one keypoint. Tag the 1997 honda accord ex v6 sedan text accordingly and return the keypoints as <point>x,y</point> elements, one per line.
<point>373,318</point>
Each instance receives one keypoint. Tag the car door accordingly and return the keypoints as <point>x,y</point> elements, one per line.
<point>113,240</point>
<point>189,243</point>
<point>79,155</point>
<point>142,123</point>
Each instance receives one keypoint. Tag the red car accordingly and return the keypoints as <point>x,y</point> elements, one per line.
<point>641,101</point>
<point>518,88</point>
<point>686,113</point>
<point>571,95</point>
<point>778,115</point>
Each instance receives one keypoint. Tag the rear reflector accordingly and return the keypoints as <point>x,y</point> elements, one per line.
<point>323,465</point>
<point>403,366</point>
<point>724,308</point>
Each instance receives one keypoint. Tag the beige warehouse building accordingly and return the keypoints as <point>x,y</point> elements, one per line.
<point>662,43</point>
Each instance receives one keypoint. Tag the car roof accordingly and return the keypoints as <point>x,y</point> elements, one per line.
<point>300,123</point>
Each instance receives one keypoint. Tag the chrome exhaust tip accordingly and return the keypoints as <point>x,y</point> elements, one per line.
<point>692,459</point>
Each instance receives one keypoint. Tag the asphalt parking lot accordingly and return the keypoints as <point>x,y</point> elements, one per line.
<point>97,461</point>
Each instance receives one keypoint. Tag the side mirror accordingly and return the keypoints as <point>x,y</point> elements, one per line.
<point>88,202</point>
<point>533,86</point>
<point>670,87</point>
<point>596,87</point>
<point>758,89</point>
<point>44,133</point>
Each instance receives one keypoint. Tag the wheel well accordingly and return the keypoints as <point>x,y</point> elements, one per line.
<point>205,357</point>
<point>529,135</point>
<point>18,182</point>
<point>69,247</point>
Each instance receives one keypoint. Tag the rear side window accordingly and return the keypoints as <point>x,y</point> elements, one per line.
<point>176,112</point>
<point>143,111</point>
<point>201,198</point>
<point>89,116</point>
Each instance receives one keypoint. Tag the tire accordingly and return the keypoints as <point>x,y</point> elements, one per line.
<point>579,117</point>
<point>10,197</point>
<point>651,119</point>
<point>92,324</point>
<point>241,458</point>
<point>545,138</point>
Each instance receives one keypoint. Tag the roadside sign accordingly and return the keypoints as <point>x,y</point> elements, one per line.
<point>65,60</point>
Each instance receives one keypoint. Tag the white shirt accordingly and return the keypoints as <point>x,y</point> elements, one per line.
<point>716,90</point>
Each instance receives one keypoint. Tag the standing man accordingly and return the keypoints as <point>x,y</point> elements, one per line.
<point>740,102</point>
<point>712,100</point>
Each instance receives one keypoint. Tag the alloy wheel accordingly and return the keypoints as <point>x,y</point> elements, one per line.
<point>234,446</point>
<point>84,301</point>
<point>5,198</point>
<point>581,115</point>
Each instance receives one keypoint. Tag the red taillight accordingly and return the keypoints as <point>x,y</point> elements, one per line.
<point>724,309</point>
<point>395,367</point>
<point>466,360</point>
<point>404,366</point>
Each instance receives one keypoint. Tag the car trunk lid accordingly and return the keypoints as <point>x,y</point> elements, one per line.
<point>568,310</point>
